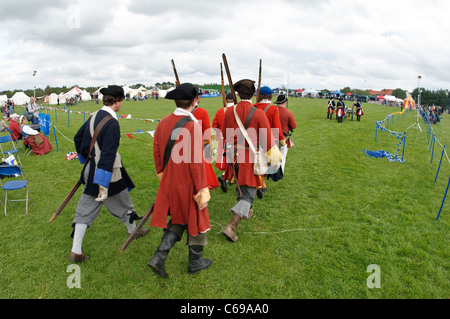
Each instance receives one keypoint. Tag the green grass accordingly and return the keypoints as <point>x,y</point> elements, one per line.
<point>313,234</point>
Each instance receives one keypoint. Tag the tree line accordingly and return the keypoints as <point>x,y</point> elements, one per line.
<point>428,97</point>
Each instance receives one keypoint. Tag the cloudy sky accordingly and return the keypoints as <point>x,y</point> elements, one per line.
<point>303,44</point>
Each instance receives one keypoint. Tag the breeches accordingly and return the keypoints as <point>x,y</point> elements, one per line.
<point>244,201</point>
<point>88,209</point>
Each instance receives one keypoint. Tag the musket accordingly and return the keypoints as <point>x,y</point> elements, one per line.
<point>227,69</point>
<point>224,99</point>
<point>177,80</point>
<point>137,229</point>
<point>68,198</point>
<point>259,82</point>
<point>230,82</point>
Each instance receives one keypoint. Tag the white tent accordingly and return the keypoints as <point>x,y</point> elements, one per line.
<point>100,95</point>
<point>20,98</point>
<point>131,92</point>
<point>390,98</point>
<point>311,92</point>
<point>85,96</point>
<point>3,99</point>
<point>74,91</point>
<point>53,99</point>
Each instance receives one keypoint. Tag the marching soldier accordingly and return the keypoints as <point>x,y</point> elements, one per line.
<point>183,192</point>
<point>217,126</point>
<point>271,111</point>
<point>359,110</point>
<point>340,111</point>
<point>240,163</point>
<point>331,108</point>
<point>106,180</point>
<point>203,119</point>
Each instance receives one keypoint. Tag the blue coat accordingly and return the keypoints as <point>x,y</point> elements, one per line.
<point>108,142</point>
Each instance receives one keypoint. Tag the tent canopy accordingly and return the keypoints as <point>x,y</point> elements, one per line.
<point>20,98</point>
<point>409,102</point>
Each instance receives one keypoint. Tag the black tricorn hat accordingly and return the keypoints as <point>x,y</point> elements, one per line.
<point>281,99</point>
<point>113,90</point>
<point>245,86</point>
<point>184,91</point>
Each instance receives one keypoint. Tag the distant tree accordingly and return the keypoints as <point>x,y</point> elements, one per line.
<point>399,93</point>
<point>346,90</point>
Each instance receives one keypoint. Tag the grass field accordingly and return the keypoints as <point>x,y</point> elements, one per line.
<point>313,236</point>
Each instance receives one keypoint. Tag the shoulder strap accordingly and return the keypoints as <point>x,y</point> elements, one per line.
<point>171,142</point>
<point>267,108</point>
<point>249,116</point>
<point>94,138</point>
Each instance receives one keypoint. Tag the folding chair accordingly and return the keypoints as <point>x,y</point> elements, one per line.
<point>15,141</point>
<point>6,139</point>
<point>14,171</point>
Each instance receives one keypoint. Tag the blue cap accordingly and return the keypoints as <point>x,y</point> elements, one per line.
<point>265,90</point>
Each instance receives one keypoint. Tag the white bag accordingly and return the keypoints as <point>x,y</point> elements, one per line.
<point>11,160</point>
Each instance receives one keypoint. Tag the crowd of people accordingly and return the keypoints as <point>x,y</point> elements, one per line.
<point>25,128</point>
<point>184,166</point>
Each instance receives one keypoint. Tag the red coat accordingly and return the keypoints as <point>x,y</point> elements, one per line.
<point>273,117</point>
<point>203,119</point>
<point>287,121</point>
<point>181,181</point>
<point>15,128</point>
<point>43,148</point>
<point>258,130</point>
<point>217,125</point>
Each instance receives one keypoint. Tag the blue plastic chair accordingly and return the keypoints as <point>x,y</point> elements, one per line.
<point>14,171</point>
<point>8,139</point>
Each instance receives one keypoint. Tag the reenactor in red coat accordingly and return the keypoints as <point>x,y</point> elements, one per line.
<point>183,192</point>
<point>240,159</point>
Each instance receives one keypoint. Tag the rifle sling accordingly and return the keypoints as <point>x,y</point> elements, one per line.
<point>171,142</point>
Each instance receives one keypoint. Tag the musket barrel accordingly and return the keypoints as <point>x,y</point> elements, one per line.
<point>177,80</point>
<point>223,87</point>
<point>229,78</point>
<point>259,82</point>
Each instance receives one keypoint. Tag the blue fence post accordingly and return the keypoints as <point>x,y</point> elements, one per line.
<point>68,118</point>
<point>404,144</point>
<point>376,131</point>
<point>432,153</point>
<point>440,210</point>
<point>437,174</point>
<point>54,132</point>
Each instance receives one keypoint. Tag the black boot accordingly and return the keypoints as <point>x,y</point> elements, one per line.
<point>158,261</point>
<point>223,184</point>
<point>196,261</point>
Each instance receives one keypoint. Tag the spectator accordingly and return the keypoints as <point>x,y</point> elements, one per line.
<point>39,144</point>
<point>14,127</point>
<point>4,124</point>
<point>32,108</point>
